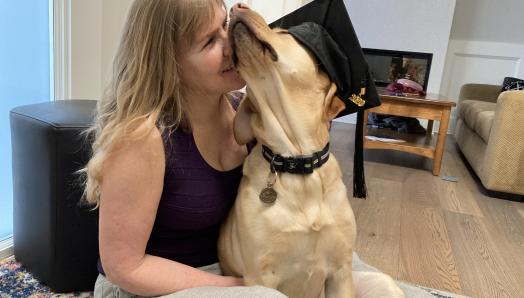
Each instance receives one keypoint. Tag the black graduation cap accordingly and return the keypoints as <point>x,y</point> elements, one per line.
<point>324,27</point>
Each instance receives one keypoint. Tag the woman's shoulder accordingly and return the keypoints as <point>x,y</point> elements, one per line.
<point>147,132</point>
<point>137,155</point>
<point>144,137</point>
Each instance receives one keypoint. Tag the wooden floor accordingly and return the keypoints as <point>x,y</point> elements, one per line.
<point>419,228</point>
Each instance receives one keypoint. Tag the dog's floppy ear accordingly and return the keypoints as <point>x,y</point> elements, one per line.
<point>332,103</point>
<point>242,122</point>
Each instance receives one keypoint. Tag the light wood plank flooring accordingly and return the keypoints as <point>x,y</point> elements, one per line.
<point>421,229</point>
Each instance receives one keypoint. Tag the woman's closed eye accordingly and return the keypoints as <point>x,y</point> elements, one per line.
<point>213,38</point>
<point>210,41</point>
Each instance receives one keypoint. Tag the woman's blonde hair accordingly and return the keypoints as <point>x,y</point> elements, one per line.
<point>146,84</point>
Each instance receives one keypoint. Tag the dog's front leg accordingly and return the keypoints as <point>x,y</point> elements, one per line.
<point>266,280</point>
<point>262,273</point>
<point>340,284</point>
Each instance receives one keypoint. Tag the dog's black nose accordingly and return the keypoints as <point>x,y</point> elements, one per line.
<point>238,8</point>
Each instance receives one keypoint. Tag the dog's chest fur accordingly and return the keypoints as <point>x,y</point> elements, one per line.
<point>307,234</point>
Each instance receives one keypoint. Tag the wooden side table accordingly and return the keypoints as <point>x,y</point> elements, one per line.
<point>431,106</point>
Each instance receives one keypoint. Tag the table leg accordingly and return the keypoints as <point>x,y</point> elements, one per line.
<point>365,125</point>
<point>441,141</point>
<point>429,129</point>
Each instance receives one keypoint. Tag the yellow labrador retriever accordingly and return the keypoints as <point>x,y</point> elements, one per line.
<point>300,238</point>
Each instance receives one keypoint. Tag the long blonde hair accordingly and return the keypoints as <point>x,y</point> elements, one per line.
<point>146,82</point>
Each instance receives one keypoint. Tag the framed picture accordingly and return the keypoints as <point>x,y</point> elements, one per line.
<point>386,66</point>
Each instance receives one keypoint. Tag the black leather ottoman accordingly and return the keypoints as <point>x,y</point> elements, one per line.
<point>54,237</point>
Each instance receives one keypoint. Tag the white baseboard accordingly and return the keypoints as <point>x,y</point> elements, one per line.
<point>6,248</point>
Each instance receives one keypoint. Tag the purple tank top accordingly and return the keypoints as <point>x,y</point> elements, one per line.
<point>196,198</point>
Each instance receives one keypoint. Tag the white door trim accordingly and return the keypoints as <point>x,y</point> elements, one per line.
<point>61,57</point>
<point>6,248</point>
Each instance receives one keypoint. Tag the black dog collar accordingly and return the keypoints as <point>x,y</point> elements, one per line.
<point>301,164</point>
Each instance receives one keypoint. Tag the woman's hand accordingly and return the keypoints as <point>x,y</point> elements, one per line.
<point>234,281</point>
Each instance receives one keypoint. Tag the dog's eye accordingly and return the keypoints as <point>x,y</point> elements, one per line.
<point>281,31</point>
<point>268,47</point>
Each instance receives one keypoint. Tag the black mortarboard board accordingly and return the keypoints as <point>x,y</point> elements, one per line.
<point>324,27</point>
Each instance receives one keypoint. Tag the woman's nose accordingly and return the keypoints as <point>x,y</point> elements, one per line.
<point>227,48</point>
<point>238,8</point>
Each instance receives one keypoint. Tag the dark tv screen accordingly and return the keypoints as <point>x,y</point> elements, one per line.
<point>386,66</point>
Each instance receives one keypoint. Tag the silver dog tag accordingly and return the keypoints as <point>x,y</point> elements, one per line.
<point>268,195</point>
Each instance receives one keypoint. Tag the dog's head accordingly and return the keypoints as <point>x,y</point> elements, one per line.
<point>290,100</point>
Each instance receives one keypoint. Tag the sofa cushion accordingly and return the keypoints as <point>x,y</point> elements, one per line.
<point>478,115</point>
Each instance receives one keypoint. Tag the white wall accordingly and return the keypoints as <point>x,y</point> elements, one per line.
<point>483,62</point>
<point>114,14</point>
<point>488,20</point>
<point>94,36</point>
<point>85,48</point>
<point>486,45</point>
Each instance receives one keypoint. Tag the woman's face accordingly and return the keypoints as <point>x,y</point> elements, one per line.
<point>207,64</point>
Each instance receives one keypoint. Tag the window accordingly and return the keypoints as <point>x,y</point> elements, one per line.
<point>25,78</point>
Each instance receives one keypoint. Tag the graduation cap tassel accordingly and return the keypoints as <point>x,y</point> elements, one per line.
<point>359,179</point>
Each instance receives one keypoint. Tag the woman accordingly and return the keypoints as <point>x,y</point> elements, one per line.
<point>165,165</point>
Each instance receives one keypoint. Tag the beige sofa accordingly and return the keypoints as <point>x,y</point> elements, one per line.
<point>490,134</point>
